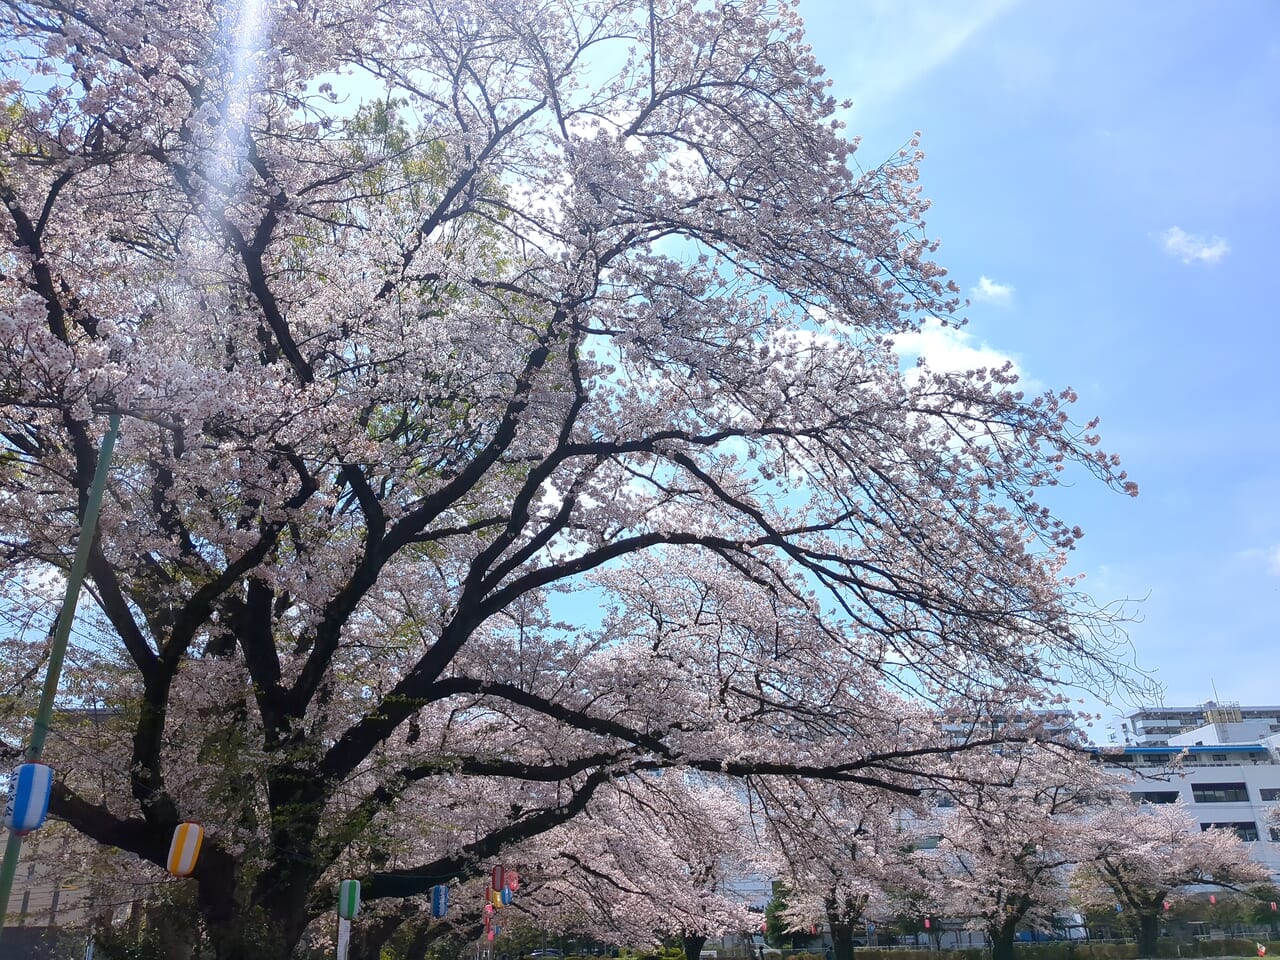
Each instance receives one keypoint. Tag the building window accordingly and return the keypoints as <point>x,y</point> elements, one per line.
<point>1219,757</point>
<point>1270,793</point>
<point>1155,796</point>
<point>1219,793</point>
<point>1245,830</point>
<point>1275,834</point>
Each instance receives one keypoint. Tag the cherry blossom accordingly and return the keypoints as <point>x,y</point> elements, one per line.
<point>1141,854</point>
<point>532,431</point>
<point>1006,852</point>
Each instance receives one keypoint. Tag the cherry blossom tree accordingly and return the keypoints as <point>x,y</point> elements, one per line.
<point>1006,853</point>
<point>844,851</point>
<point>534,430</point>
<point>650,858</point>
<point>1140,854</point>
<point>655,858</point>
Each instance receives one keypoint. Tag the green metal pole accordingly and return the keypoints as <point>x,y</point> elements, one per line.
<point>58,651</point>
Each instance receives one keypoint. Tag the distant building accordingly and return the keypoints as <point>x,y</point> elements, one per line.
<point>65,883</point>
<point>1220,759</point>
<point>1154,726</point>
<point>45,906</point>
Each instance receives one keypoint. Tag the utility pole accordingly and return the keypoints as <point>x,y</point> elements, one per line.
<point>58,650</point>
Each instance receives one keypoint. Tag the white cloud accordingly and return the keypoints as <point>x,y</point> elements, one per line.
<point>1268,558</point>
<point>1272,558</point>
<point>1190,247</point>
<point>988,291</point>
<point>896,44</point>
<point>949,349</point>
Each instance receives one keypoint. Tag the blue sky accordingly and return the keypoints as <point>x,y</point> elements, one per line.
<point>1110,170</point>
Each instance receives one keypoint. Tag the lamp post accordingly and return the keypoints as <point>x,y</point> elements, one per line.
<point>58,649</point>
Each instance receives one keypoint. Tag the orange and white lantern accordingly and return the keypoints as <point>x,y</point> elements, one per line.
<point>184,850</point>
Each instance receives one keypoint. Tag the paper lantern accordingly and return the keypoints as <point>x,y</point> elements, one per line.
<point>440,901</point>
<point>1119,908</point>
<point>506,896</point>
<point>1213,898</point>
<point>497,878</point>
<point>1166,904</point>
<point>495,898</point>
<point>513,879</point>
<point>184,848</point>
<point>349,899</point>
<point>926,923</point>
<point>1273,904</point>
<point>29,790</point>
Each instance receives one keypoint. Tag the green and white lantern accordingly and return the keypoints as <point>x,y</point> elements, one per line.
<point>349,899</point>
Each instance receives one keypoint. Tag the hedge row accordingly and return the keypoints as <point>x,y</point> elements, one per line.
<point>1084,950</point>
<point>1167,949</point>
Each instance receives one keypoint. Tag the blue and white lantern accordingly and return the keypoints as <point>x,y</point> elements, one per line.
<point>506,896</point>
<point>28,804</point>
<point>440,901</point>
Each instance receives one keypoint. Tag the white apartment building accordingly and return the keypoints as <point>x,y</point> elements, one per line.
<point>1154,726</point>
<point>1221,760</point>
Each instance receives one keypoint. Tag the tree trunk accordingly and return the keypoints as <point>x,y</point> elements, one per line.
<point>841,940</point>
<point>1148,933</point>
<point>248,936</point>
<point>1002,938</point>
<point>253,934</point>
<point>227,924</point>
<point>416,949</point>
<point>693,944</point>
<point>368,939</point>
